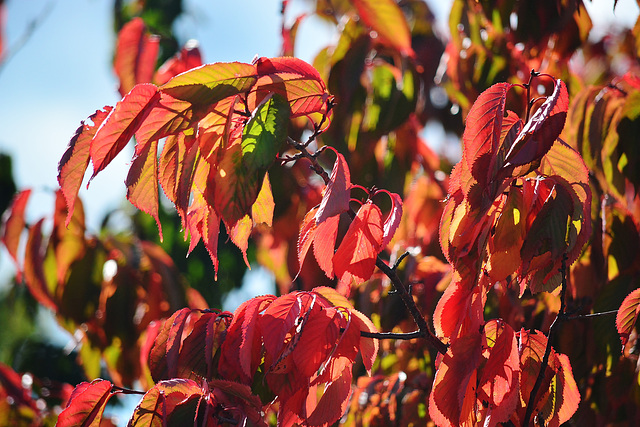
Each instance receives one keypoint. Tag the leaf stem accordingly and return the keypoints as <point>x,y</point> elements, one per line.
<point>547,352</point>
<point>115,388</point>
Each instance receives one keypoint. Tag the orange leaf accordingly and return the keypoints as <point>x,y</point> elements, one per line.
<point>142,181</point>
<point>627,316</point>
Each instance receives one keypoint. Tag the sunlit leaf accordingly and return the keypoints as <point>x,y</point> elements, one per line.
<point>392,221</point>
<point>211,83</point>
<point>338,191</point>
<point>187,58</point>
<point>75,159</point>
<point>86,405</point>
<point>142,182</point>
<point>355,258</point>
<point>120,125</point>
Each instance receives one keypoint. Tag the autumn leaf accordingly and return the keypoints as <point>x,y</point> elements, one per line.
<point>392,221</point>
<point>86,405</point>
<point>187,58</point>
<point>142,182</point>
<point>34,275</point>
<point>75,159</point>
<point>386,18</point>
<point>338,191</point>
<point>355,258</point>
<point>210,83</point>
<point>136,55</point>
<point>627,316</point>
<point>163,358</point>
<point>161,401</point>
<point>121,124</point>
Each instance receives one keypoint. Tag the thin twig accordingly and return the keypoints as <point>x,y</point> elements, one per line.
<point>123,390</point>
<point>585,316</point>
<point>547,352</point>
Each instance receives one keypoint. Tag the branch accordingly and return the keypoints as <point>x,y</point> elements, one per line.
<point>390,272</point>
<point>547,352</point>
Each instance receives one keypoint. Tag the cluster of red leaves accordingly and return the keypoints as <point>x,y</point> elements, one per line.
<point>519,202</point>
<point>368,234</point>
<point>224,124</point>
<point>298,349</point>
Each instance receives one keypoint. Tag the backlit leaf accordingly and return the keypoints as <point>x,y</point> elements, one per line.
<point>389,23</point>
<point>86,405</point>
<point>392,221</point>
<point>338,191</point>
<point>163,358</point>
<point>262,209</point>
<point>142,182</point>
<point>355,258</point>
<point>627,316</point>
<point>324,243</point>
<point>161,401</point>
<point>34,275</point>
<point>120,125</point>
<point>75,159</point>
<point>211,83</point>
<point>542,129</point>
<point>136,55</point>
<point>189,57</point>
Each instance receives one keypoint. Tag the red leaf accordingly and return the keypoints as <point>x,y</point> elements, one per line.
<point>293,79</point>
<point>392,221</point>
<point>481,137</point>
<point>355,258</point>
<point>454,385</point>
<point>241,350</point>
<point>333,402</point>
<point>337,193</point>
<point>142,181</point>
<point>13,225</point>
<point>324,244</point>
<point>136,55</point>
<point>121,124</point>
<point>188,58</point>
<point>163,358</point>
<point>389,23</point>
<point>75,159</point>
<point>34,268</point>
<point>277,321</point>
<point>542,130</point>
<point>318,337</point>
<point>86,404</point>
<point>11,383</point>
<point>306,236</point>
<point>627,316</point>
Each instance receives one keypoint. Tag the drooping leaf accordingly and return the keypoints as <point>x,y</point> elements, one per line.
<point>324,243</point>
<point>355,258</point>
<point>389,23</point>
<point>136,55</point>
<point>86,405</point>
<point>75,159</point>
<point>142,182</point>
<point>338,191</point>
<point>210,83</point>
<point>120,125</point>
<point>13,226</point>
<point>262,209</point>
<point>67,239</point>
<point>240,353</point>
<point>276,322</point>
<point>239,175</point>
<point>168,116</point>
<point>306,236</point>
<point>163,358</point>
<point>542,130</point>
<point>627,316</point>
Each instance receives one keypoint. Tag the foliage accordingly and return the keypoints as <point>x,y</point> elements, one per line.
<point>510,264</point>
